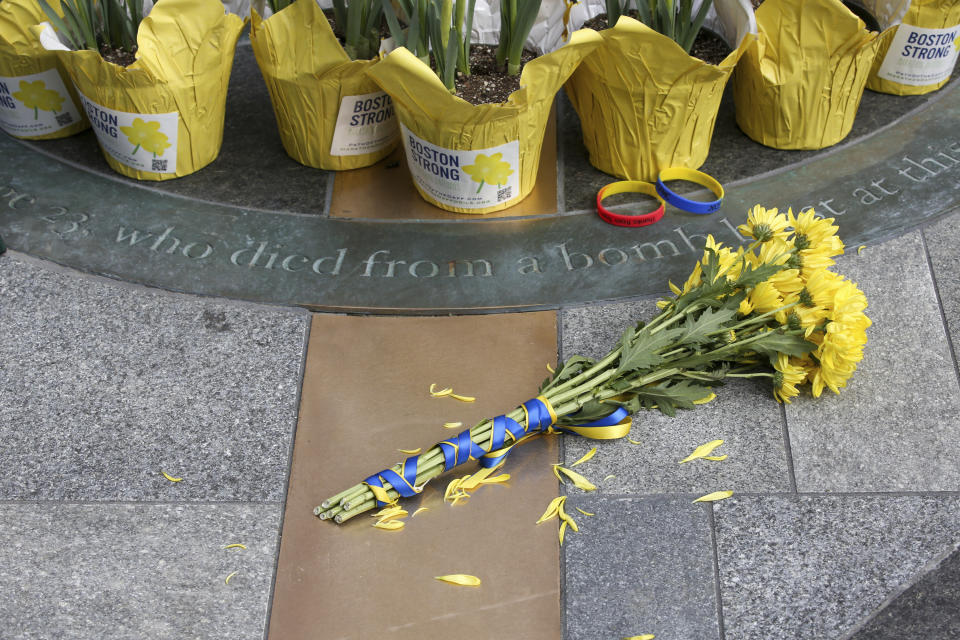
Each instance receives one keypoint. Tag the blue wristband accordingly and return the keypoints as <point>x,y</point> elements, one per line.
<point>689,175</point>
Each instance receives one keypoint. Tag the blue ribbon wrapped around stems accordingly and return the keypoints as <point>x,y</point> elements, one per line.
<point>539,417</point>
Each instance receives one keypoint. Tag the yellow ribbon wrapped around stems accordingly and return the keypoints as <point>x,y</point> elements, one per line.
<point>799,86</point>
<point>170,102</point>
<point>931,27</point>
<point>476,158</point>
<point>645,104</point>
<point>37,99</point>
<point>312,80</point>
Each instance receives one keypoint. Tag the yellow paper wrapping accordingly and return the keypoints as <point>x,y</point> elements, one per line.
<point>483,158</point>
<point>311,78</point>
<point>30,110</point>
<point>645,104</point>
<point>161,117</point>
<point>800,85</point>
<point>927,28</point>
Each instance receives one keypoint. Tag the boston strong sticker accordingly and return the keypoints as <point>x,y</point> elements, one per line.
<point>469,179</point>
<point>145,142</point>
<point>35,104</point>
<point>365,124</point>
<point>919,56</point>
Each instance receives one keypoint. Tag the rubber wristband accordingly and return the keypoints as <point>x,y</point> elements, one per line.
<point>629,186</point>
<point>689,175</point>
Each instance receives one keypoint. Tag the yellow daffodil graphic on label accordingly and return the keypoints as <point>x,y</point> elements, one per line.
<point>36,96</point>
<point>489,170</point>
<point>147,135</point>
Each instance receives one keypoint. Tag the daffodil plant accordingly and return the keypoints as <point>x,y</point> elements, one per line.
<point>358,26</point>
<point>673,18</point>
<point>450,25</point>
<point>772,310</point>
<point>91,24</point>
<point>415,35</point>
<point>516,19</point>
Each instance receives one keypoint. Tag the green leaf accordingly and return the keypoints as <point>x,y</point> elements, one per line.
<point>698,330</point>
<point>641,352</point>
<point>775,342</point>
<point>669,397</point>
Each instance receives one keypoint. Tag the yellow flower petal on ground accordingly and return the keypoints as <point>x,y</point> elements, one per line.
<point>552,509</point>
<point>713,497</point>
<point>861,248</point>
<point>451,487</point>
<point>236,545</point>
<point>389,525</point>
<point>633,441</point>
<point>463,398</point>
<point>227,579</point>
<point>390,513</point>
<point>646,636</point>
<point>171,478</point>
<point>550,369</point>
<point>705,399</point>
<point>461,579</point>
<point>586,457</point>
<point>380,493</point>
<point>563,528</point>
<point>715,458</point>
<point>452,425</point>
<point>586,513</point>
<point>702,450</point>
<point>609,477</point>
<point>578,480</point>
<point>410,452</point>
<point>441,393</point>
<point>419,510</point>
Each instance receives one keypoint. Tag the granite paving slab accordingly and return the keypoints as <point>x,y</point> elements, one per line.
<point>744,415</point>
<point>940,239</point>
<point>928,608</point>
<point>105,386</point>
<point>811,566</point>
<point>639,566</point>
<point>896,426</point>
<point>123,571</point>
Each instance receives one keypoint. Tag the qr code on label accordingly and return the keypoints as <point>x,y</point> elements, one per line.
<point>63,119</point>
<point>159,166</point>
<point>504,194</point>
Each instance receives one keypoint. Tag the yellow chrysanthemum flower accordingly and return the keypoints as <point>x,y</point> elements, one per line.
<point>764,297</point>
<point>730,262</point>
<point>841,346</point>
<point>36,96</point>
<point>809,231</point>
<point>764,224</point>
<point>790,372</point>
<point>490,169</point>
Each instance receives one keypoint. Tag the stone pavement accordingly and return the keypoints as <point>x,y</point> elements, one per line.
<point>845,520</point>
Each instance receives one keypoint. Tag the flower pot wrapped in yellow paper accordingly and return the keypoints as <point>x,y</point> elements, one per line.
<point>162,116</point>
<point>37,99</point>
<point>800,86</point>
<point>645,104</point>
<point>476,158</point>
<point>919,49</point>
<point>329,113</point>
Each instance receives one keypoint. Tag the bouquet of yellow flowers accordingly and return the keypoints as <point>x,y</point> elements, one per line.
<point>771,310</point>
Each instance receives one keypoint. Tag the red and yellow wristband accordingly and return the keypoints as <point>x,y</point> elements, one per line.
<point>629,186</point>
